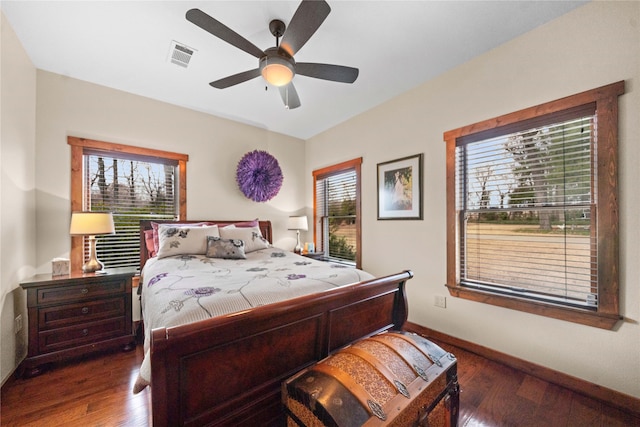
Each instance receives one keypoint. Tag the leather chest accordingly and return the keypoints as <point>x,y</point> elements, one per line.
<point>391,379</point>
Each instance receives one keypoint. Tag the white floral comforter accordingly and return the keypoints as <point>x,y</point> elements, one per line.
<point>186,288</point>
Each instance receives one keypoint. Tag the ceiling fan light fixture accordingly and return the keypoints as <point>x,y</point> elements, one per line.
<point>276,64</point>
<point>277,70</point>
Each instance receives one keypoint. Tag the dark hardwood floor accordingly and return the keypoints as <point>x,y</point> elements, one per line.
<point>97,392</point>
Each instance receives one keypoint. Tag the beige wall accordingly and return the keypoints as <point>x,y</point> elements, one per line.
<point>17,192</point>
<point>72,107</point>
<point>594,45</point>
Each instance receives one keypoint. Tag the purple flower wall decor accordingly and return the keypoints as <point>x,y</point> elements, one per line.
<point>259,176</point>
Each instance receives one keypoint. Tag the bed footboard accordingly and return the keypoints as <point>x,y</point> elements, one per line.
<point>228,370</point>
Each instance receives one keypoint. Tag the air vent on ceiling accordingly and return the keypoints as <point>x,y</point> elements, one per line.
<point>180,54</point>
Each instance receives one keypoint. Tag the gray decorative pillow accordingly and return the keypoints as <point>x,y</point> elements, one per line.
<point>225,248</point>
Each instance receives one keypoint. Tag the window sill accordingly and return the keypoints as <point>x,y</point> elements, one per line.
<point>569,314</point>
<point>341,261</point>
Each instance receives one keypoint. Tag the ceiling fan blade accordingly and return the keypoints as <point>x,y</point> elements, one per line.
<point>223,32</point>
<point>235,79</point>
<point>335,73</point>
<point>307,19</point>
<point>289,96</point>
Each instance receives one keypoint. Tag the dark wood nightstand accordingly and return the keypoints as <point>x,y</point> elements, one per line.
<point>70,316</point>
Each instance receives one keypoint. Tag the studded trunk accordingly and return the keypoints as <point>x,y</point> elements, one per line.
<point>391,379</point>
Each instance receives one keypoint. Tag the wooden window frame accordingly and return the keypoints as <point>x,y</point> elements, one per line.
<point>354,164</point>
<point>78,147</point>
<point>607,314</point>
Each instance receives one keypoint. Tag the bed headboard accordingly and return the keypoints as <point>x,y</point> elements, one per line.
<point>265,228</point>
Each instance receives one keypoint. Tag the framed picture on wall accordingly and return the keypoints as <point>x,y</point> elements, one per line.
<point>400,188</point>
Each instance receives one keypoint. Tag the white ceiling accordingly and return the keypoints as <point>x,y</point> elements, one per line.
<point>397,45</point>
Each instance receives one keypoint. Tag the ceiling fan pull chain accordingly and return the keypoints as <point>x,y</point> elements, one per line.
<point>286,104</point>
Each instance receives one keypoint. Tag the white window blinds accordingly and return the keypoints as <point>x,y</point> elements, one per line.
<point>336,214</point>
<point>132,188</point>
<point>527,208</point>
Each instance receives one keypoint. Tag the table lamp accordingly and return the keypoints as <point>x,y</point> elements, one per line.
<point>298,223</point>
<point>91,224</point>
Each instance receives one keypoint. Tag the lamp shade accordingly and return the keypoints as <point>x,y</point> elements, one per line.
<point>298,223</point>
<point>91,223</point>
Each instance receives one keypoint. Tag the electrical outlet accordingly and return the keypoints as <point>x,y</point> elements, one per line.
<point>440,301</point>
<point>18,323</point>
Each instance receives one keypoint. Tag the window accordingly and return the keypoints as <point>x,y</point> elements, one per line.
<point>336,207</point>
<point>532,209</point>
<point>132,183</point>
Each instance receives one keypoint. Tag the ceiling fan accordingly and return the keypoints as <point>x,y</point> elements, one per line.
<point>276,64</point>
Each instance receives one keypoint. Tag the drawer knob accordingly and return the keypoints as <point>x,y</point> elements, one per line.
<point>85,310</point>
<point>85,332</point>
<point>84,291</point>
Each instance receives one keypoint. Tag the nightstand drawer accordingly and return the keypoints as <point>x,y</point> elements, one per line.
<point>78,314</point>
<point>63,338</point>
<point>71,314</point>
<point>75,292</point>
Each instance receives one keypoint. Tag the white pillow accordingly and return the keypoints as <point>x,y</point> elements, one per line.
<point>184,240</point>
<point>251,236</point>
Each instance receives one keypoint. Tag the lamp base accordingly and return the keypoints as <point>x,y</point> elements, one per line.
<point>92,265</point>
<point>298,248</point>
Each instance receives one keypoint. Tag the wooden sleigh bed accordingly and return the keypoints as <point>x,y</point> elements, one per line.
<point>227,370</point>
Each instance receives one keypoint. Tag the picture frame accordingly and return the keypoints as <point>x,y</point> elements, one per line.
<point>400,188</point>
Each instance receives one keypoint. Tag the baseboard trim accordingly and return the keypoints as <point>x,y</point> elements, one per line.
<point>611,397</point>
